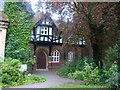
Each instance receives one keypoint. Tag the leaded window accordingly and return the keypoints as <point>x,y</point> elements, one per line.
<point>70,56</point>
<point>55,56</point>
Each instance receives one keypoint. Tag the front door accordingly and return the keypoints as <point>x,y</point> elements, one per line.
<point>41,61</point>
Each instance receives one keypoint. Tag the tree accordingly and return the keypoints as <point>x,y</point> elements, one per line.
<point>94,21</point>
<point>19,30</point>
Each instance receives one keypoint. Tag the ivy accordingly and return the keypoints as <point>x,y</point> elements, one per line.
<point>18,33</point>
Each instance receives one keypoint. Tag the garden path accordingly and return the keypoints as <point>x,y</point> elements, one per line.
<point>52,79</point>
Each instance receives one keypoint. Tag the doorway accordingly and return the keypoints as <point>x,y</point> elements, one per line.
<point>41,60</point>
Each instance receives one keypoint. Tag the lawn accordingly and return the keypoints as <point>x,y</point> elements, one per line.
<point>78,85</point>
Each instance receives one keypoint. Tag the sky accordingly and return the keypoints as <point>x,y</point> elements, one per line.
<point>54,15</point>
<point>33,2</point>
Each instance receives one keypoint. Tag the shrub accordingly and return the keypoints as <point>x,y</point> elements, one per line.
<point>68,67</point>
<point>89,74</point>
<point>111,56</point>
<point>113,82</point>
<point>11,76</point>
<point>10,71</point>
<point>71,67</point>
<point>107,73</point>
<point>112,77</point>
<point>81,63</point>
<point>76,75</point>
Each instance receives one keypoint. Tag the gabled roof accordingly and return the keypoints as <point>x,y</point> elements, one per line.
<point>39,17</point>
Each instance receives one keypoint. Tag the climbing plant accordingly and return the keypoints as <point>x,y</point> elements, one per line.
<point>18,33</point>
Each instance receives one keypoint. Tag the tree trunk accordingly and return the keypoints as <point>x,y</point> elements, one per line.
<point>97,55</point>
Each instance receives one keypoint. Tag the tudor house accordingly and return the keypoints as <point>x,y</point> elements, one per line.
<point>48,46</point>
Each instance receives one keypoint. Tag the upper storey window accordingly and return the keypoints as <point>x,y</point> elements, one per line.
<point>44,30</point>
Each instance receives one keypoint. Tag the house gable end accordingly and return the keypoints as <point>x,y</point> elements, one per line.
<point>45,18</point>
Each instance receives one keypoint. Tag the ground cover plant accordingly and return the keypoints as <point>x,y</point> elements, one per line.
<point>92,75</point>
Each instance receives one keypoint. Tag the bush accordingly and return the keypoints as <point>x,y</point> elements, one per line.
<point>68,67</point>
<point>71,67</point>
<point>111,56</point>
<point>11,76</point>
<point>113,82</point>
<point>10,71</point>
<point>107,73</point>
<point>112,77</point>
<point>89,74</point>
<point>76,75</point>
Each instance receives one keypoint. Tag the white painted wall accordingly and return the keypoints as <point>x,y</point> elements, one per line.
<point>2,43</point>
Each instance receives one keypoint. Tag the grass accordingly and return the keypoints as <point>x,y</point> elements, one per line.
<point>27,80</point>
<point>78,85</point>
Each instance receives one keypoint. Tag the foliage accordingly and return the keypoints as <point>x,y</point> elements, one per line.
<point>81,63</point>
<point>10,71</point>
<point>70,67</point>
<point>111,56</point>
<point>108,73</point>
<point>76,75</point>
<point>113,82</point>
<point>35,78</point>
<point>91,76</point>
<point>18,32</point>
<point>88,74</point>
<point>11,76</point>
<point>97,22</point>
<point>112,76</point>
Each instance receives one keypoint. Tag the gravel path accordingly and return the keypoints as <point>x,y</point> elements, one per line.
<point>51,80</point>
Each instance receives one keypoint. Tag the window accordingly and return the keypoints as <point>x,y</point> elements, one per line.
<point>55,56</point>
<point>70,56</point>
<point>44,31</point>
<point>45,28</point>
